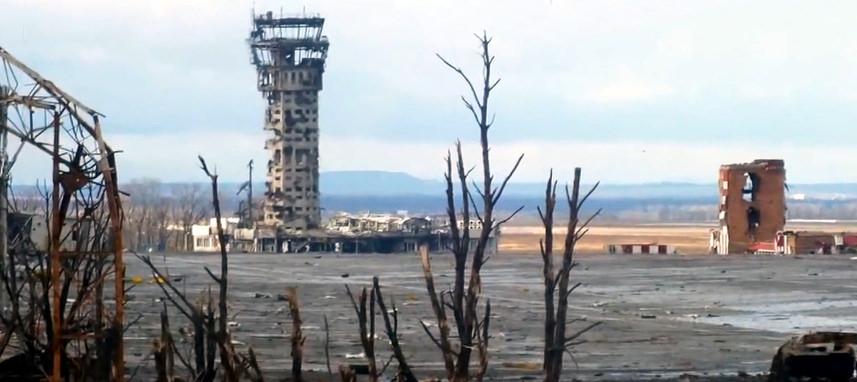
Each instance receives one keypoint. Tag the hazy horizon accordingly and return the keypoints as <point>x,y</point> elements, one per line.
<point>399,184</point>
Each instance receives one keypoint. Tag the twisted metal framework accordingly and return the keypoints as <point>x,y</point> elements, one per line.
<point>62,314</point>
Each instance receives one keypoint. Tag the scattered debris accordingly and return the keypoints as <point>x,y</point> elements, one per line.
<point>360,355</point>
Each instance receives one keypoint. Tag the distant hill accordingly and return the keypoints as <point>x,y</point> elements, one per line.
<point>382,183</point>
<point>385,183</point>
<point>381,191</point>
<point>378,183</point>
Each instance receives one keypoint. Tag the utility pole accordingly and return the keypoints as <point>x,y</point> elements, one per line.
<point>250,194</point>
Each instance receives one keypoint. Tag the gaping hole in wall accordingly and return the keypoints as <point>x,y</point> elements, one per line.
<point>751,184</point>
<point>753,219</point>
<point>290,120</point>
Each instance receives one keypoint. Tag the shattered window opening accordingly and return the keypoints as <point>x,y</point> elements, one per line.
<point>751,181</point>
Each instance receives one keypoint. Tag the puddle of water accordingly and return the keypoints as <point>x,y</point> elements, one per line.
<point>781,323</point>
<point>802,306</point>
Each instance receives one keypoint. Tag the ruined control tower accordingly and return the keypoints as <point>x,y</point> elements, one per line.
<point>289,55</point>
<point>752,205</point>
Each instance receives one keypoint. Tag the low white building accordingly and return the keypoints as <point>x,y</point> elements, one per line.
<point>205,237</point>
<point>440,224</point>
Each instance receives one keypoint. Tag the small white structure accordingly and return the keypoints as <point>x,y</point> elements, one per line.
<point>440,224</point>
<point>205,237</point>
<point>641,249</point>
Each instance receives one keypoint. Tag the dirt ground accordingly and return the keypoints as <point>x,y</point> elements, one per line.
<point>664,316</point>
<point>687,239</point>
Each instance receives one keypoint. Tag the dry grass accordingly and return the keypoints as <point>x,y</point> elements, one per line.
<point>688,239</point>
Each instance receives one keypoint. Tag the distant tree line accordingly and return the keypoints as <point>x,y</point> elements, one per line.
<point>160,215</point>
<point>159,220</point>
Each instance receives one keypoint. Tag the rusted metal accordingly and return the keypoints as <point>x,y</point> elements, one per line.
<point>85,216</point>
<point>816,356</point>
<point>113,202</point>
<point>56,232</point>
<point>5,174</point>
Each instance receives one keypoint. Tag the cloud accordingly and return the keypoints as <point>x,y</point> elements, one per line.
<point>172,157</point>
<point>723,78</point>
<point>609,161</point>
<point>628,91</point>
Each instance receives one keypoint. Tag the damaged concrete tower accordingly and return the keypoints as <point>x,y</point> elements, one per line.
<point>752,206</point>
<point>289,55</point>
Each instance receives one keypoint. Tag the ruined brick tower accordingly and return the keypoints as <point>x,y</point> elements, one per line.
<point>752,205</point>
<point>289,55</point>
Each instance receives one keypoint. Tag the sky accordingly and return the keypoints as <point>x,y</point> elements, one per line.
<point>631,91</point>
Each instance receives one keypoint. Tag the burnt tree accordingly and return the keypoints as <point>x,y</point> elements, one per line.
<point>471,325</point>
<point>557,280</point>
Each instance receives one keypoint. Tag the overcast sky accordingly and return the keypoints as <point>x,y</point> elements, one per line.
<point>632,91</point>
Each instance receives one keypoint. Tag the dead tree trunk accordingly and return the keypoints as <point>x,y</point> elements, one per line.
<point>327,348</point>
<point>472,327</point>
<point>546,246</point>
<point>201,318</point>
<point>392,330</point>
<point>227,352</point>
<point>439,309</point>
<point>346,374</point>
<point>210,331</point>
<point>558,282</point>
<point>366,323</point>
<point>297,334</point>
<point>164,359</point>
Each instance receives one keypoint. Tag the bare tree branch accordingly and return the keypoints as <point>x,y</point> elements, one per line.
<point>505,220</point>
<point>557,281</point>
<point>506,180</point>
<point>463,76</point>
<point>391,326</point>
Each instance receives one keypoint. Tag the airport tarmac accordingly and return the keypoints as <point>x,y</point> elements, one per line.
<point>663,316</point>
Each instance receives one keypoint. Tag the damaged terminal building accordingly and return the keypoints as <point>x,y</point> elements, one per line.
<point>344,233</point>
